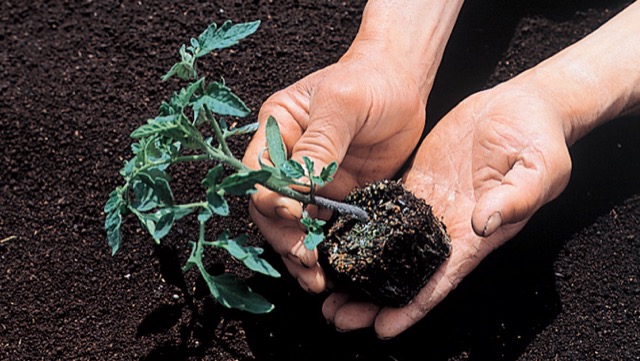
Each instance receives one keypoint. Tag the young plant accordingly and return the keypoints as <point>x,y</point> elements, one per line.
<point>190,128</point>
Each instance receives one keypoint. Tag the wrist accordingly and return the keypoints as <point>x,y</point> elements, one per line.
<point>596,79</point>
<point>414,33</point>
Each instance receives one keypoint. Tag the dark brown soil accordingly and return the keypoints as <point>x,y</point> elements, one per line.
<point>76,77</point>
<point>392,255</point>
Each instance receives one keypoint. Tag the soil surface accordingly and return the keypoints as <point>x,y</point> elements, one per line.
<point>77,76</point>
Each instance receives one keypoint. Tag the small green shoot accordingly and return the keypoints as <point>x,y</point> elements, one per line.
<point>190,127</point>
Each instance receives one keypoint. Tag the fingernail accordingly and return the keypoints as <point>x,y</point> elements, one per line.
<point>493,223</point>
<point>341,330</point>
<point>384,338</point>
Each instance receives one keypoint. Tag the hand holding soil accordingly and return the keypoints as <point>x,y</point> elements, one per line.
<point>370,125</point>
<point>499,156</point>
<point>486,168</point>
<point>366,112</point>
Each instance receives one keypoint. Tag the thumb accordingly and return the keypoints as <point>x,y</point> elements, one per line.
<point>523,190</point>
<point>325,140</point>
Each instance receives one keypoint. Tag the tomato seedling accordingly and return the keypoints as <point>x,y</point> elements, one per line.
<point>191,127</point>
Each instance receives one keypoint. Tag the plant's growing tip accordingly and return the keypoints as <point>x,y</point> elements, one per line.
<point>190,127</point>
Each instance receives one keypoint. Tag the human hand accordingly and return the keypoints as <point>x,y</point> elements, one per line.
<point>364,112</point>
<point>486,167</point>
<point>501,154</point>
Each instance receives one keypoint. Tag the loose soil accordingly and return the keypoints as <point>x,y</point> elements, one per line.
<point>78,76</point>
<point>392,255</point>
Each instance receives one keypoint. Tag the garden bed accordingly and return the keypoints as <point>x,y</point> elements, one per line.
<point>77,77</point>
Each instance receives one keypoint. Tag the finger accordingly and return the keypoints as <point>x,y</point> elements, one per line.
<point>272,205</point>
<point>523,190</point>
<point>355,315</point>
<point>332,304</point>
<point>311,279</point>
<point>285,236</point>
<point>390,322</point>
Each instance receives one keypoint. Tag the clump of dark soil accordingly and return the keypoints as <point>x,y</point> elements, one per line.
<point>391,256</point>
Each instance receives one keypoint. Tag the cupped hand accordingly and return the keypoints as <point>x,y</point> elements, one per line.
<point>363,112</point>
<point>486,167</point>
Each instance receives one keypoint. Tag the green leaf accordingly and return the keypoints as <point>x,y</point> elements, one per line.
<point>245,129</point>
<point>243,183</point>
<point>113,219</point>
<point>217,204</point>
<point>275,144</point>
<point>160,125</point>
<point>183,69</point>
<point>233,292</point>
<point>248,255</point>
<point>327,172</point>
<point>114,201</point>
<point>213,176</point>
<point>312,240</point>
<point>220,100</point>
<point>309,164</point>
<point>112,224</point>
<point>292,169</point>
<point>158,182</point>
<point>181,99</point>
<point>159,223</point>
<point>227,35</point>
<point>315,233</point>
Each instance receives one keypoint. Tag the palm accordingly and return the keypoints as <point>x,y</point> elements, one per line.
<point>496,151</point>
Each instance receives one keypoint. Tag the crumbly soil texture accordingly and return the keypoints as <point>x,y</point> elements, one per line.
<point>78,76</point>
<point>392,255</point>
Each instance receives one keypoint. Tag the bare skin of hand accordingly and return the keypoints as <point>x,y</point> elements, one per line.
<point>486,168</point>
<point>368,123</point>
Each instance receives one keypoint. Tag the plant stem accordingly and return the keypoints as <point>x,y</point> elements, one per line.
<point>218,131</point>
<point>341,207</point>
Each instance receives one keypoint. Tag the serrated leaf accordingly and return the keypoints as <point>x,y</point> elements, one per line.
<point>181,99</point>
<point>248,255</point>
<point>227,35</point>
<point>114,201</point>
<point>158,181</point>
<point>233,292</point>
<point>243,183</point>
<point>222,101</point>
<point>159,125</point>
<point>327,172</point>
<point>214,175</point>
<point>182,70</point>
<point>275,144</point>
<point>159,223</point>
<point>113,219</point>
<point>217,204</point>
<point>309,164</point>
<point>292,169</point>
<point>315,233</point>
<point>312,240</point>
<point>112,224</point>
